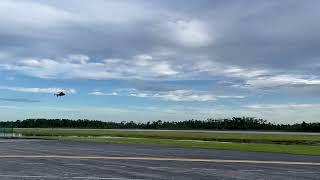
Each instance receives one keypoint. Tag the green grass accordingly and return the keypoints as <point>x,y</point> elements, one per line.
<point>274,148</point>
<point>258,138</point>
<point>290,144</point>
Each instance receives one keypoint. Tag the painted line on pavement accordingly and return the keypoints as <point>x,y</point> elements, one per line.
<point>162,159</point>
<point>60,177</point>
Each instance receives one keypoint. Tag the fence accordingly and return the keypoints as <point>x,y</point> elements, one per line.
<point>6,132</point>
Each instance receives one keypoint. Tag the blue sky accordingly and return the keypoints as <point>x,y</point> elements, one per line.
<point>170,60</point>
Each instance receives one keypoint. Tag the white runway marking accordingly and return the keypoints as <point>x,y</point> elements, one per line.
<point>32,163</point>
<point>107,165</point>
<point>252,170</point>
<point>159,168</point>
<point>162,159</point>
<point>302,172</point>
<point>73,164</point>
<point>206,169</point>
<point>61,177</point>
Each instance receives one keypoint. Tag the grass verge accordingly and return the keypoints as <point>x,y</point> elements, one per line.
<point>243,138</point>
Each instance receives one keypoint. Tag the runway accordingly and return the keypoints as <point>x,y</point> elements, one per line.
<point>40,159</point>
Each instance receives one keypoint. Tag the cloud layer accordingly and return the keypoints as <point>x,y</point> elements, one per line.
<point>39,90</point>
<point>172,95</point>
<point>265,52</point>
<point>147,67</point>
<point>144,42</point>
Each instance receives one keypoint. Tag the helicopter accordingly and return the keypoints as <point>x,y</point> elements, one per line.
<point>60,94</point>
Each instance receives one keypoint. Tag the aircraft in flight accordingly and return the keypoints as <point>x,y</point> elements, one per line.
<point>60,94</point>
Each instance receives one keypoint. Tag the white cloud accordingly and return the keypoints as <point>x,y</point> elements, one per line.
<point>142,66</point>
<point>98,93</point>
<point>82,67</point>
<point>175,95</point>
<point>148,67</point>
<point>39,90</point>
<point>254,77</point>
<point>185,95</point>
<point>192,33</point>
<point>283,79</point>
<point>235,97</point>
<point>282,106</point>
<point>78,58</point>
<point>215,68</point>
<point>146,64</point>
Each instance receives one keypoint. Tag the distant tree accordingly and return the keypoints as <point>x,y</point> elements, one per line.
<point>235,123</point>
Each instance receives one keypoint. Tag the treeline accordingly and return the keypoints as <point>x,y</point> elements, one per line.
<point>236,123</point>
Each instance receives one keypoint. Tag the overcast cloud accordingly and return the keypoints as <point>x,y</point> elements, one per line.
<point>243,48</point>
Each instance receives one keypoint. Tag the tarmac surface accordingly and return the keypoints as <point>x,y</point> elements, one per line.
<point>42,159</point>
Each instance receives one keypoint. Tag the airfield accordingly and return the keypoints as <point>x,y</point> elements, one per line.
<point>52,159</point>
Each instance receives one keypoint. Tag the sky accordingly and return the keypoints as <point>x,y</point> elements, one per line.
<point>145,60</point>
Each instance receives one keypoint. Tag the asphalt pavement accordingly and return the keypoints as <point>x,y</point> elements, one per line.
<point>42,159</point>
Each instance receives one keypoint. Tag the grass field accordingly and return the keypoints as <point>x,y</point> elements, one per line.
<point>264,138</point>
<point>292,144</point>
